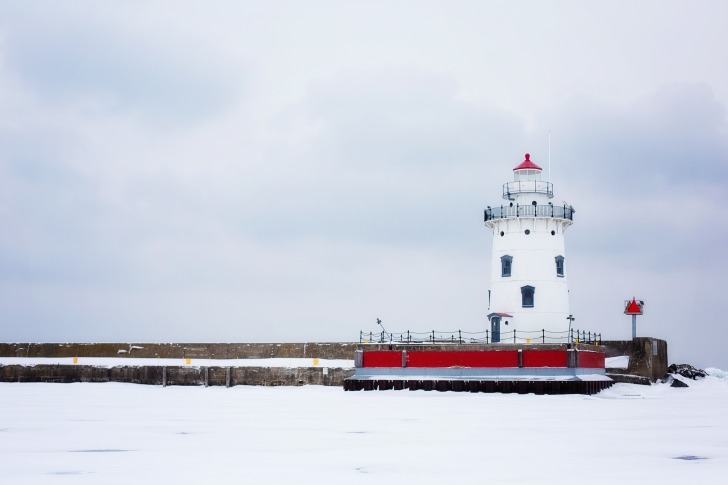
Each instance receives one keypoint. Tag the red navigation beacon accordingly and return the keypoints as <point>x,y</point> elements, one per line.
<point>633,307</point>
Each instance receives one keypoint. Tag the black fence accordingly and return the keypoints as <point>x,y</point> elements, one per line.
<point>529,210</point>
<point>459,337</point>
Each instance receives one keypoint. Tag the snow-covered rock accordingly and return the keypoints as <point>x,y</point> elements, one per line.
<point>687,370</point>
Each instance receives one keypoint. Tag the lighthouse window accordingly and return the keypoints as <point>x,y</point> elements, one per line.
<point>528,231</point>
<point>560,266</point>
<point>502,233</point>
<point>527,296</point>
<point>553,233</point>
<point>506,262</point>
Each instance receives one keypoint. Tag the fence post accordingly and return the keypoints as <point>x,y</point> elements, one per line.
<point>514,335</point>
<point>433,336</point>
<point>543,335</point>
<point>486,336</point>
<point>360,336</point>
<point>460,337</point>
<point>409,339</point>
<point>370,337</point>
<point>227,377</point>
<point>164,376</point>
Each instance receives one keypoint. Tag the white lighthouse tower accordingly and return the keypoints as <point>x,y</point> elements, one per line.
<point>528,285</point>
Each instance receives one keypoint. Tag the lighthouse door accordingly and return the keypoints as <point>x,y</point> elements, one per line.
<point>495,328</point>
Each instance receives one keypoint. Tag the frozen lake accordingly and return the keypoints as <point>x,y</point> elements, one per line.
<point>125,433</point>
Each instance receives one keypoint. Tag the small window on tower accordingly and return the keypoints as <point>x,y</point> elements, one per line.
<point>506,263</point>
<point>560,266</point>
<point>527,296</point>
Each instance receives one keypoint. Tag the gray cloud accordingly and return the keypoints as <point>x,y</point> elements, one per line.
<point>106,67</point>
<point>675,136</point>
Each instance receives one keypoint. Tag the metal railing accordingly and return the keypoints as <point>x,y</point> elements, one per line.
<point>530,210</point>
<point>527,186</point>
<point>460,337</point>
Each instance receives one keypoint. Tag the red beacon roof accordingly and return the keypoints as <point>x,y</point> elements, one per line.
<point>527,164</point>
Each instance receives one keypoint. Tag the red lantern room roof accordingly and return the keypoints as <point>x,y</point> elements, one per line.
<point>527,164</point>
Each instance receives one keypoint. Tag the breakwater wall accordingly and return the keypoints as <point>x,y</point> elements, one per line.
<point>180,375</point>
<point>647,360</point>
<point>177,375</point>
<point>647,357</point>
<point>319,350</point>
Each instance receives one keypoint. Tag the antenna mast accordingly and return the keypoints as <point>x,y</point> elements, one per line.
<point>549,155</point>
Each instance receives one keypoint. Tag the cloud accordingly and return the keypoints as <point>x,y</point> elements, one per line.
<point>647,171</point>
<point>104,66</point>
<point>676,136</point>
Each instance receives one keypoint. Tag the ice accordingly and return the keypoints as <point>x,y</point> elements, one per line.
<point>116,433</point>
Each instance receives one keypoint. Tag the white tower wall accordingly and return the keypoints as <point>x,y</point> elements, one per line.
<point>529,229</point>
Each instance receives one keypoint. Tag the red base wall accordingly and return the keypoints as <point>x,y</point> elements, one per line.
<point>481,359</point>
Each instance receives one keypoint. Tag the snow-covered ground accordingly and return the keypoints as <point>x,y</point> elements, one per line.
<point>133,361</point>
<point>124,433</point>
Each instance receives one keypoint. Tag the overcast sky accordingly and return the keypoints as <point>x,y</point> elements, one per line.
<point>275,171</point>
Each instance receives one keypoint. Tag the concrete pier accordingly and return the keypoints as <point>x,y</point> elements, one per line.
<point>647,362</point>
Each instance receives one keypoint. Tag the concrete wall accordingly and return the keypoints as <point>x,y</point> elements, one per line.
<point>179,376</point>
<point>215,376</point>
<point>642,362</point>
<point>321,350</point>
<point>647,356</point>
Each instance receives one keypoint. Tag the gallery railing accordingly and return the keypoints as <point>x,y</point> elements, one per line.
<point>459,337</point>
<point>529,210</point>
<point>528,186</point>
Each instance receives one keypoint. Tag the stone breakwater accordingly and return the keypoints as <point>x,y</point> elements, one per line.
<point>318,350</point>
<point>647,362</point>
<point>196,374</point>
<point>178,375</point>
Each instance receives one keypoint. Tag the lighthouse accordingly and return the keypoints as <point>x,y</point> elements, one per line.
<point>528,292</point>
<point>528,303</point>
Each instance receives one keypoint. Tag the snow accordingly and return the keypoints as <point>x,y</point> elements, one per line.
<point>138,362</point>
<point>619,362</point>
<point>125,433</point>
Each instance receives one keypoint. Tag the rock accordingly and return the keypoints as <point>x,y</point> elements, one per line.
<point>667,379</point>
<point>687,370</point>
<point>678,383</point>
